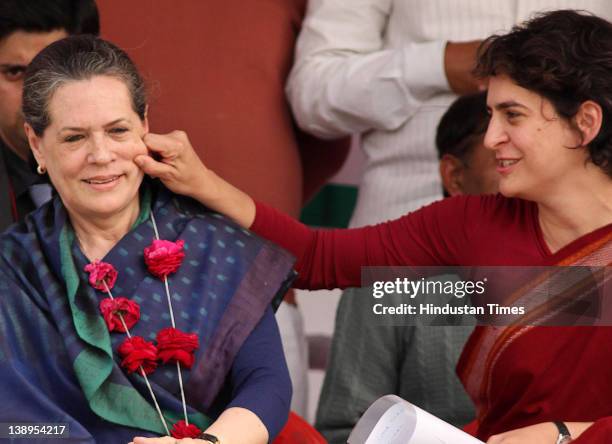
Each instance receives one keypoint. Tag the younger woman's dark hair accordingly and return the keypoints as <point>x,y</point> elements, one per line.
<point>566,57</point>
<point>72,59</point>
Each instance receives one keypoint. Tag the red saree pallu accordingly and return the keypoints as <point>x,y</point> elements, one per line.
<point>528,373</point>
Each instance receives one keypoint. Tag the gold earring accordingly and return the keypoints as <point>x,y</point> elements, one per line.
<point>41,170</point>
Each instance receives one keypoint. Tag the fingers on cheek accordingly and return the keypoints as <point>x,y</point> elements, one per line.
<point>141,148</point>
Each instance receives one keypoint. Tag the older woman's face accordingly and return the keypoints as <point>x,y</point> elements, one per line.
<point>531,142</point>
<point>89,147</point>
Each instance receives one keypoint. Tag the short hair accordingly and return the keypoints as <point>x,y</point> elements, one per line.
<point>462,126</point>
<point>72,59</point>
<point>564,56</point>
<point>74,16</point>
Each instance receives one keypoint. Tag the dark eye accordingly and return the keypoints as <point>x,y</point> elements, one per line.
<point>73,138</point>
<point>118,130</point>
<point>14,73</point>
<point>512,114</point>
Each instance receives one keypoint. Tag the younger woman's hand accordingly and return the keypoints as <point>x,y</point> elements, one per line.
<point>173,160</point>
<point>543,433</point>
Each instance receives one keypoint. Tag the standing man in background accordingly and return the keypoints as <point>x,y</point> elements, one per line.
<point>26,27</point>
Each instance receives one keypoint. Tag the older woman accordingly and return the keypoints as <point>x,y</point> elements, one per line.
<point>127,310</point>
<point>550,99</point>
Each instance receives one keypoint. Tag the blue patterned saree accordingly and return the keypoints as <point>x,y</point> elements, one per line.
<point>59,363</point>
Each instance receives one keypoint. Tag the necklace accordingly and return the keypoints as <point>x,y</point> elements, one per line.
<point>162,258</point>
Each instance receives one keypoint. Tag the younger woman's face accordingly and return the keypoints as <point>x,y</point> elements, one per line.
<point>89,147</point>
<point>532,143</point>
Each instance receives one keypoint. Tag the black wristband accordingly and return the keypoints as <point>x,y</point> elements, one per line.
<point>564,433</point>
<point>210,438</point>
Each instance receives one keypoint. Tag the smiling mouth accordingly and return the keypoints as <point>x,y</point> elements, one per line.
<point>102,180</point>
<point>504,163</point>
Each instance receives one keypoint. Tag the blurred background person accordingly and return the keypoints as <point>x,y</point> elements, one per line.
<point>26,27</point>
<point>466,166</point>
<point>417,362</point>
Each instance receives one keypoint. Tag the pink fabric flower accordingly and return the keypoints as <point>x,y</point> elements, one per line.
<point>182,430</point>
<point>164,257</point>
<point>112,308</point>
<point>174,345</point>
<point>100,272</point>
<point>137,352</point>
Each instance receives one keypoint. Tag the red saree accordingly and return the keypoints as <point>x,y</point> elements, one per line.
<point>516,375</point>
<point>523,375</point>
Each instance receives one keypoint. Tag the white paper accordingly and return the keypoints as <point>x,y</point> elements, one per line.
<point>392,420</point>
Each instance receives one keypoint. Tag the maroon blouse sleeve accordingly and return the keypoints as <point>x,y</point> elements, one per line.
<point>434,235</point>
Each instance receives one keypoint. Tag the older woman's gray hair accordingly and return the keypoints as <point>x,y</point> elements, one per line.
<point>72,59</point>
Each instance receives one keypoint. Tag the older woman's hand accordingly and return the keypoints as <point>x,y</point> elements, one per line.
<point>174,161</point>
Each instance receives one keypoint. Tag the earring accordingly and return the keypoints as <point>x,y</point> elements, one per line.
<point>41,170</point>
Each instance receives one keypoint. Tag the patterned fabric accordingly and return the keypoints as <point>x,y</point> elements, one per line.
<point>57,358</point>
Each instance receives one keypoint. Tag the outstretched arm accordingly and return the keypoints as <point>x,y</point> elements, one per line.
<point>325,258</point>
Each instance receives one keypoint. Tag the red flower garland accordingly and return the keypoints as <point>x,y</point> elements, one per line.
<point>174,345</point>
<point>164,257</point>
<point>183,430</point>
<point>100,272</point>
<point>112,308</point>
<point>137,352</point>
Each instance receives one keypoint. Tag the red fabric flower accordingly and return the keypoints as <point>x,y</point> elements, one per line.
<point>111,308</point>
<point>164,257</point>
<point>100,272</point>
<point>135,352</point>
<point>182,430</point>
<point>174,345</point>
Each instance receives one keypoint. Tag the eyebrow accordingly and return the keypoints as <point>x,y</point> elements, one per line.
<point>509,104</point>
<point>77,128</point>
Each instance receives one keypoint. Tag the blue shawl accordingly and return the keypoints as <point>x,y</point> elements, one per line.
<point>58,362</point>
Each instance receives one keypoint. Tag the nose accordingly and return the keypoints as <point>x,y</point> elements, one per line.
<point>100,150</point>
<point>495,135</point>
